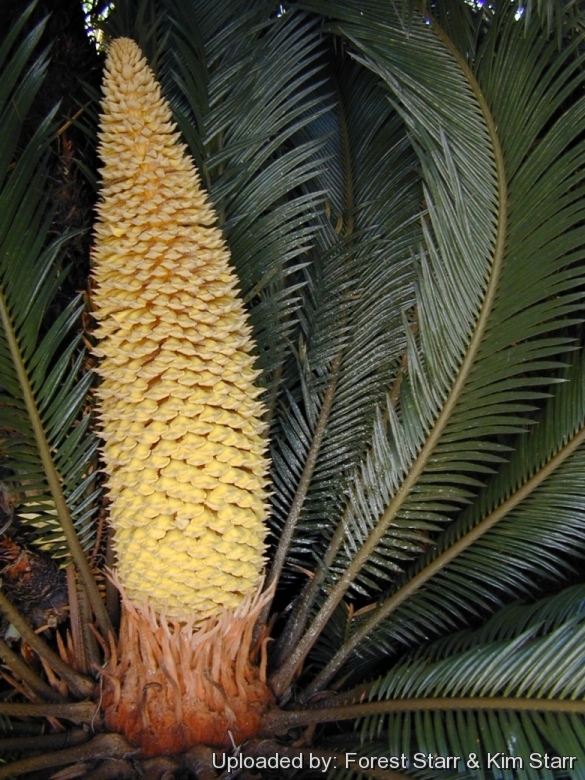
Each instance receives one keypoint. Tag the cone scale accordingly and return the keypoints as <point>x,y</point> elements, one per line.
<point>184,451</point>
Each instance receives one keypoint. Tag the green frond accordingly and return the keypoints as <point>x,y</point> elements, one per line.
<point>545,615</point>
<point>47,448</point>
<point>560,18</point>
<point>488,665</point>
<point>428,464</point>
<point>458,245</point>
<point>19,85</point>
<point>524,653</point>
<point>526,526</point>
<point>476,413</point>
<point>359,279</point>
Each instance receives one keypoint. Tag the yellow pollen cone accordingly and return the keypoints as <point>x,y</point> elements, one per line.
<point>184,445</point>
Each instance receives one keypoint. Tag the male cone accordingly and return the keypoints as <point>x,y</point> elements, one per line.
<point>183,441</point>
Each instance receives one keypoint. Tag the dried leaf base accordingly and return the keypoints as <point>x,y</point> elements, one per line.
<point>169,687</point>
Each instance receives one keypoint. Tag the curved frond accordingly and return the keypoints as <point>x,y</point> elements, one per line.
<point>510,366</point>
<point>522,653</point>
<point>460,249</point>
<point>402,190</point>
<point>359,282</point>
<point>527,525</point>
<point>46,444</point>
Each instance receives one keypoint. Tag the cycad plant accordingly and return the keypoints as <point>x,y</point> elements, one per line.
<point>400,194</point>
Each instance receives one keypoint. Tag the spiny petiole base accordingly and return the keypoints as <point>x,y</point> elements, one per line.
<point>169,687</point>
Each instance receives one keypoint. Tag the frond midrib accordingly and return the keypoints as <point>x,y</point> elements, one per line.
<point>282,678</point>
<point>282,720</point>
<point>438,564</point>
<point>302,489</point>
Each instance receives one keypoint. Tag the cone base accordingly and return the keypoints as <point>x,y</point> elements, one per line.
<point>169,687</point>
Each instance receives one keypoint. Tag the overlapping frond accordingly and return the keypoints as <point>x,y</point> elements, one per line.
<point>559,20</point>
<point>44,387</point>
<point>457,461</point>
<point>409,487</point>
<point>546,615</point>
<point>459,250</point>
<point>527,526</point>
<point>523,653</point>
<point>359,281</point>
